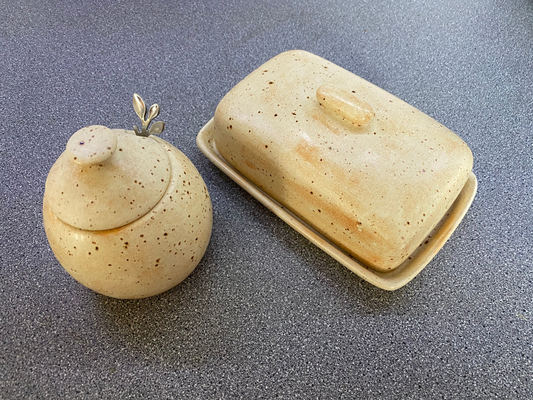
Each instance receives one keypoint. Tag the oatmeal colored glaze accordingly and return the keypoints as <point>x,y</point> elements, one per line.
<point>345,104</point>
<point>152,253</point>
<point>374,178</point>
<point>107,178</point>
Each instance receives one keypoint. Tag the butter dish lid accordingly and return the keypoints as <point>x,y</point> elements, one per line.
<point>368,171</point>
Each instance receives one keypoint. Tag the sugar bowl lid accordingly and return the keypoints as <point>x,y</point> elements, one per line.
<point>107,178</point>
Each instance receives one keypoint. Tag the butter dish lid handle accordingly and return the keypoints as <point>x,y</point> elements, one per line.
<point>344,103</point>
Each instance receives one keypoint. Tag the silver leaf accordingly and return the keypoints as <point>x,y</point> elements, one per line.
<point>138,105</point>
<point>154,112</point>
<point>157,128</point>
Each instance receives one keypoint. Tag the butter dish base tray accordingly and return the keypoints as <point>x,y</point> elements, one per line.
<point>385,280</point>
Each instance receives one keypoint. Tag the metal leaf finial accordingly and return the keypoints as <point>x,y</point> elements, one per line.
<point>140,109</point>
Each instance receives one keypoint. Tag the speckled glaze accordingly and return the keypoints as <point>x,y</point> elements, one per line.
<point>366,170</point>
<point>126,216</point>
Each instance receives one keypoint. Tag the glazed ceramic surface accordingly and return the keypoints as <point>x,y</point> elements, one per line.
<point>127,216</point>
<point>367,171</point>
<point>390,280</point>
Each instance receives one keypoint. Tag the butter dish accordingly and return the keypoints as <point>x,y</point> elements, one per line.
<point>373,181</point>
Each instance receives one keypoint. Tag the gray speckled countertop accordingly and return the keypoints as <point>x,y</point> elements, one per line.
<point>266,314</point>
